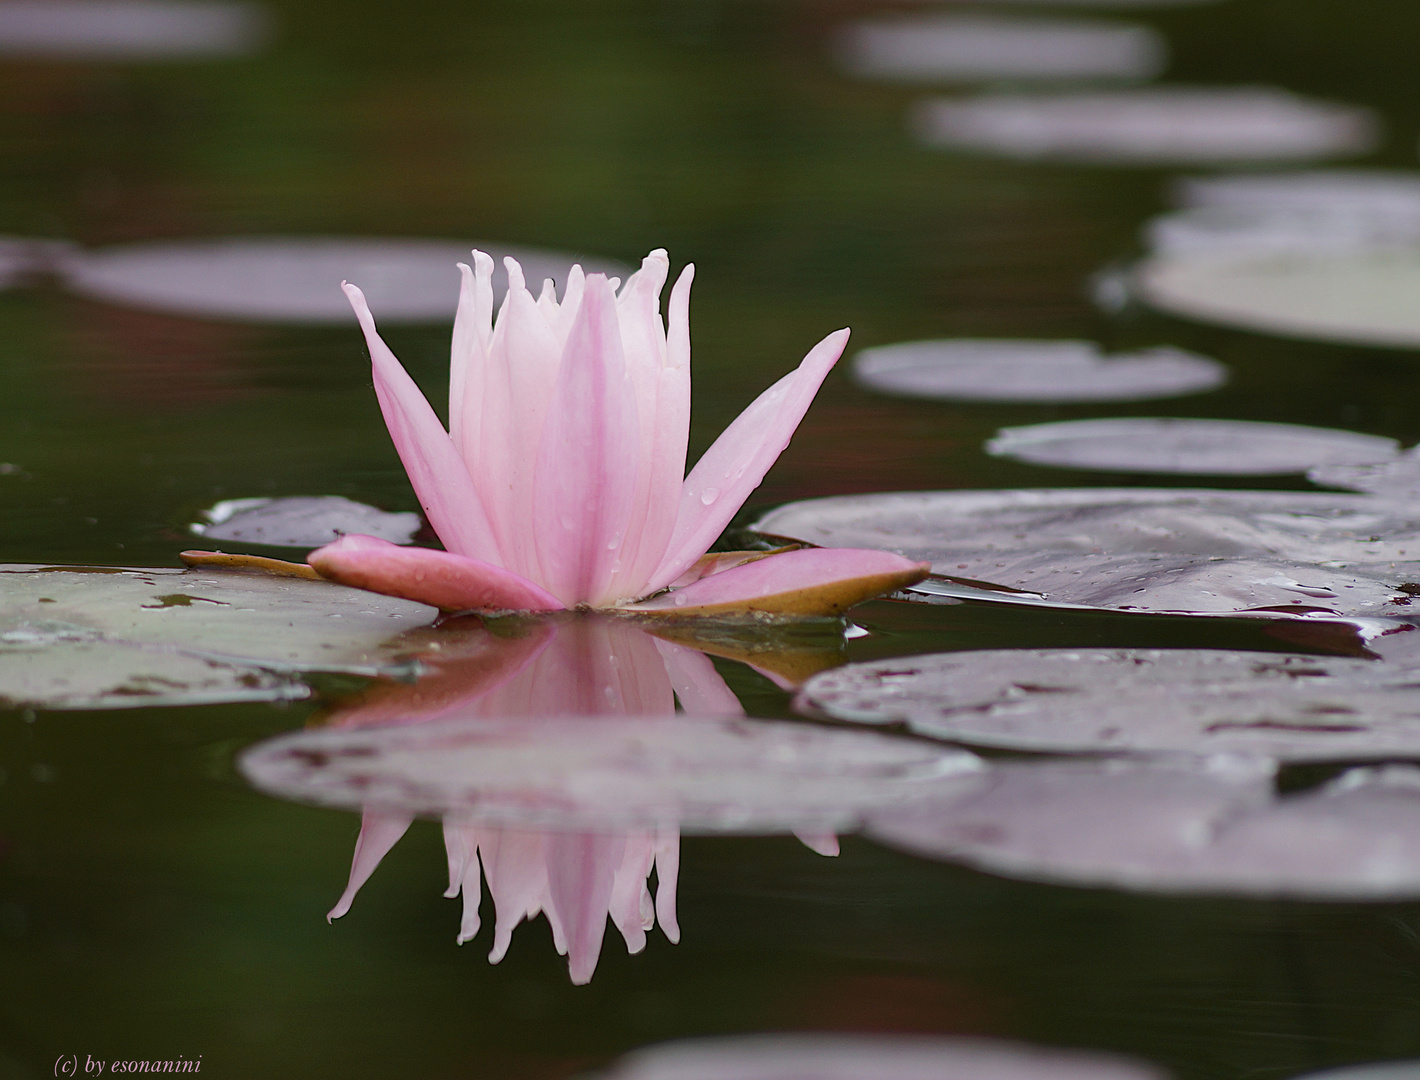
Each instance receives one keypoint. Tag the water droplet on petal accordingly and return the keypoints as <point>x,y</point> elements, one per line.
<point>709,495</point>
<point>680,601</point>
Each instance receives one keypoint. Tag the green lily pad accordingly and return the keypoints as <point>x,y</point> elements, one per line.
<point>88,637</point>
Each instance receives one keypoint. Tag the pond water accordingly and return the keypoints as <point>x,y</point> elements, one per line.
<point>177,183</point>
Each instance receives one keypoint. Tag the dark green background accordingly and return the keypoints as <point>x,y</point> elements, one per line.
<point>151,905</point>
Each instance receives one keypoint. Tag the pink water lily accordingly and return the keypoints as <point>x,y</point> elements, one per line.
<point>561,480</point>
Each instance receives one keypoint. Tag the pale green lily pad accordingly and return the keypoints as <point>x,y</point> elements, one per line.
<point>1359,297</point>
<point>110,637</point>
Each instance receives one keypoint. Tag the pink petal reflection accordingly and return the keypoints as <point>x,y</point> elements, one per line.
<point>548,667</point>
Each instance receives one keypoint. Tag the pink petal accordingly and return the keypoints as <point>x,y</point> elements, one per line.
<point>666,464</point>
<point>380,830</point>
<point>631,908</point>
<point>734,466</point>
<point>586,463</point>
<point>439,578</point>
<point>825,843</point>
<point>522,377</point>
<point>468,353</point>
<point>811,581</point>
<point>440,478</point>
<point>514,864</point>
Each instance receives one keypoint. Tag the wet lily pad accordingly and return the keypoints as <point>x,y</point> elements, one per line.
<point>1358,297</point>
<point>130,29</point>
<point>1035,371</point>
<point>296,279</point>
<point>1398,478</point>
<point>1178,827</point>
<point>1168,445</point>
<point>1201,701</point>
<point>598,772</point>
<point>110,637</point>
<point>303,521</point>
<point>969,48</point>
<point>869,1057</point>
<point>1149,126</point>
<point>1272,554</point>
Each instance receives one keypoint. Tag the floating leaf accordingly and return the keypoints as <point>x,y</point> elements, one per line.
<point>1091,700</point>
<point>1167,445</point>
<point>1274,554</point>
<point>1150,126</point>
<point>612,772</point>
<point>109,637</point>
<point>303,521</point>
<point>1180,827</point>
<point>975,48</point>
<point>1389,192</point>
<point>1360,297</point>
<point>1398,478</point>
<point>296,279</point>
<point>1376,1070</point>
<point>130,29</point>
<point>1036,371</point>
<point>1233,233</point>
<point>869,1057</point>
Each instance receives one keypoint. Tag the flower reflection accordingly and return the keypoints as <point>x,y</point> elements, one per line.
<point>570,665</point>
<point>561,480</point>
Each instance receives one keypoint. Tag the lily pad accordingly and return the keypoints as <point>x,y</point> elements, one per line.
<point>1247,232</point>
<point>1398,478</point>
<point>869,1057</point>
<point>1388,192</point>
<point>111,637</point>
<point>303,521</point>
<point>1034,371</point>
<point>957,48</point>
<point>612,772</point>
<point>1155,126</point>
<point>1176,827</point>
<point>1203,701</point>
<point>1260,553</point>
<point>1357,297</point>
<point>1376,1070</point>
<point>296,279</point>
<point>130,29</point>
<point>1167,445</point>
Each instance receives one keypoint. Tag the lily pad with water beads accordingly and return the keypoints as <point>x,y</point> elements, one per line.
<point>1260,553</point>
<point>1033,371</point>
<point>1203,701</point>
<point>1156,126</point>
<point>1181,826</point>
<point>296,279</point>
<point>108,637</point>
<point>1169,445</point>
<point>869,1057</point>
<point>970,48</point>
<point>303,521</point>
<point>597,772</point>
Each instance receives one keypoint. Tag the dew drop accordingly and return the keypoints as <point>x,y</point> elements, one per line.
<point>680,601</point>
<point>709,495</point>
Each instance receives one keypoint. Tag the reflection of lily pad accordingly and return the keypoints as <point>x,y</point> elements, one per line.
<point>869,1057</point>
<point>1168,445</point>
<point>1198,700</point>
<point>588,772</point>
<point>303,521</point>
<point>1035,371</point>
<point>105,637</point>
<point>1308,554</point>
<point>1181,828</point>
<point>1364,297</point>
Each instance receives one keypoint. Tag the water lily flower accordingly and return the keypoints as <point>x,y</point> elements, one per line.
<point>561,483</point>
